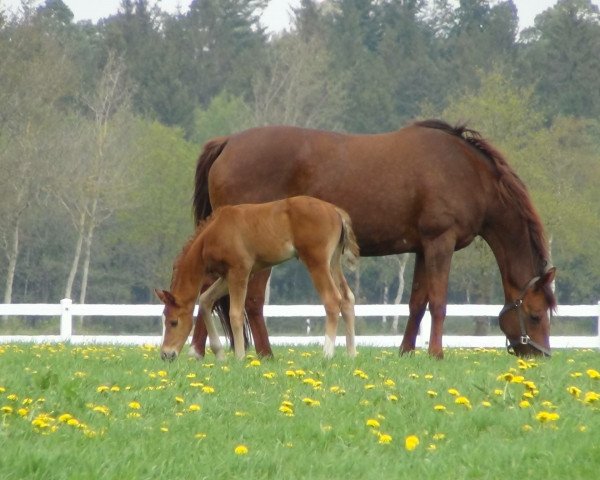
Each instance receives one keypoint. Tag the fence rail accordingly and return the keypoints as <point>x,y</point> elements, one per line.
<point>67,309</point>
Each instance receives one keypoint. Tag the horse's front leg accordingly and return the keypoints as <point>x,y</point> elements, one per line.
<point>416,306</point>
<point>255,301</point>
<point>200,334</point>
<point>207,300</point>
<point>238,286</point>
<point>438,255</point>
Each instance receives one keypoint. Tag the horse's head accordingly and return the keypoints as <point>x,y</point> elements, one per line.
<point>526,321</point>
<point>178,321</point>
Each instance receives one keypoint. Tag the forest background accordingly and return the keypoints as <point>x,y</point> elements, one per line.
<point>101,125</point>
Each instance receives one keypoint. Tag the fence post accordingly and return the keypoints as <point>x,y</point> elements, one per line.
<point>66,320</point>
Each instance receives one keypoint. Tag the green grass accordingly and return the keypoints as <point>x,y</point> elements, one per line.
<point>327,436</point>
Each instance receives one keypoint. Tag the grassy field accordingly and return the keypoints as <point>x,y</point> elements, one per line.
<point>111,412</point>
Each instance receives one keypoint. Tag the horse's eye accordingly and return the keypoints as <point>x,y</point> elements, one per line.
<point>535,318</point>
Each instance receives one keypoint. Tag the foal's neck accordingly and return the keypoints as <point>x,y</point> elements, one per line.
<point>187,275</point>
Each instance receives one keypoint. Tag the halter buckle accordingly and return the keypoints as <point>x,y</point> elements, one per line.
<point>525,339</point>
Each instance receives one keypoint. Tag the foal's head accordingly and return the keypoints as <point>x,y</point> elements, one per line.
<point>178,321</point>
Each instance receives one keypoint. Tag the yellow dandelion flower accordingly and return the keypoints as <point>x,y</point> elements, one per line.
<point>194,407</point>
<point>311,402</point>
<point>439,436</point>
<point>524,404</point>
<point>544,417</point>
<point>241,450</point>
<point>288,411</point>
<point>115,388</point>
<point>73,422</point>
<point>498,392</point>
<point>428,376</point>
<point>287,403</point>
<point>162,373</point>
<point>164,429</point>
<point>337,389</point>
<point>239,413</point>
<point>6,409</point>
<point>102,389</point>
<point>518,379</point>
<point>269,375</point>
<point>527,428</point>
<point>389,382</point>
<point>432,393</point>
<point>101,409</point>
<point>65,417</point>
<point>135,405</point>
<point>548,404</point>
<point>191,375</point>
<point>134,415</point>
<point>384,438</point>
<point>463,401</point>
<point>411,442</point>
<point>454,392</point>
<point>200,436</point>
<point>290,373</point>
<point>507,377</point>
<point>582,428</point>
<point>179,399</point>
<point>591,397</point>
<point>439,408</point>
<point>12,397</point>
<point>2,389</point>
<point>431,447</point>
<point>359,373</point>
<point>392,398</point>
<point>369,386</point>
<point>299,372</point>
<point>486,403</point>
<point>254,363</point>
<point>22,412</point>
<point>576,374</point>
<point>27,401</point>
<point>595,374</point>
<point>364,402</point>
<point>574,391</point>
<point>371,422</point>
<point>414,376</point>
<point>207,389</point>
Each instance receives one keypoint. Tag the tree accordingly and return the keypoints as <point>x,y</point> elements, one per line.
<point>34,78</point>
<point>561,58</point>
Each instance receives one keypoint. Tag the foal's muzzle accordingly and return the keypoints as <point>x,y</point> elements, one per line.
<point>168,356</point>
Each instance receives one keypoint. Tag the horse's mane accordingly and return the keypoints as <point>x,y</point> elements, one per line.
<point>511,188</point>
<point>188,244</point>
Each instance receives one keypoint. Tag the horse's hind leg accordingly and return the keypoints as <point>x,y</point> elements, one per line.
<point>331,298</point>
<point>207,300</point>
<point>347,306</point>
<point>255,301</point>
<point>238,286</point>
<point>416,305</point>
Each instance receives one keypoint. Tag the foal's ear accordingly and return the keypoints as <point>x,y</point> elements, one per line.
<point>166,297</point>
<point>547,278</point>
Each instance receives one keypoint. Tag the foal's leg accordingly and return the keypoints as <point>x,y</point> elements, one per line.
<point>331,298</point>
<point>238,285</point>
<point>416,305</point>
<point>198,347</point>
<point>347,303</point>
<point>207,300</point>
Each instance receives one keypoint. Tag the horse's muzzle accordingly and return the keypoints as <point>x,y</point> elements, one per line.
<point>168,356</point>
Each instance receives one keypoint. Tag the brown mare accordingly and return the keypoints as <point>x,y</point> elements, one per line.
<point>238,241</point>
<point>428,188</point>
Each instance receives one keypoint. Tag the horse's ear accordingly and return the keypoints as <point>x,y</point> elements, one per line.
<point>166,297</point>
<point>547,278</point>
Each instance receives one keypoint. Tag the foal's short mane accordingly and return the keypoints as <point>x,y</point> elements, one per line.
<point>179,259</point>
<point>511,188</point>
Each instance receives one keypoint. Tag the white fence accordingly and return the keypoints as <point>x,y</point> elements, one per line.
<point>66,310</point>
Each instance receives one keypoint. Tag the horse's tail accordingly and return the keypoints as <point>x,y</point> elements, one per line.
<point>202,209</point>
<point>201,202</point>
<point>350,250</point>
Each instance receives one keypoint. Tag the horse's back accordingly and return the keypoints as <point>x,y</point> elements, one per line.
<point>393,185</point>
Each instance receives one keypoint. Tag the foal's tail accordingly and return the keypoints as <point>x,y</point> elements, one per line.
<point>202,209</point>
<point>350,250</point>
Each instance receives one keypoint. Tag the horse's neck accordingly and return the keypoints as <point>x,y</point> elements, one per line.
<point>518,262</point>
<point>188,275</point>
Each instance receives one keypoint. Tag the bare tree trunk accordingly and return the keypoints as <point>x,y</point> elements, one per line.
<point>76,256</point>
<point>11,255</point>
<point>402,261</point>
<point>88,251</point>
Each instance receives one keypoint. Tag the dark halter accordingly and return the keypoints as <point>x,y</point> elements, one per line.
<point>524,338</point>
